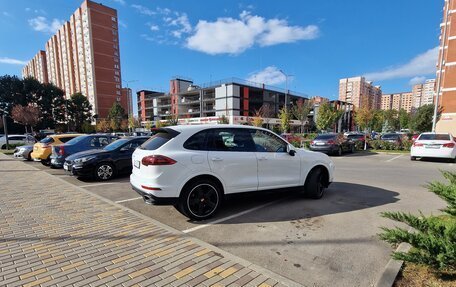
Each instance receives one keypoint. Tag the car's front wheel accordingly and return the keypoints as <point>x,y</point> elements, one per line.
<point>314,186</point>
<point>200,199</point>
<point>413,158</point>
<point>104,171</point>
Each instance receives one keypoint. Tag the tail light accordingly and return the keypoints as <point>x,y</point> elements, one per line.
<point>157,160</point>
<point>312,142</point>
<point>331,142</point>
<point>61,151</point>
<point>417,144</point>
<point>449,145</point>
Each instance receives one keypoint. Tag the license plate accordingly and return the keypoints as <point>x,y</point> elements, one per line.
<point>137,163</point>
<point>65,167</point>
<point>433,146</point>
<point>319,143</point>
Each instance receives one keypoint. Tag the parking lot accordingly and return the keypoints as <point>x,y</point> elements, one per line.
<point>313,242</point>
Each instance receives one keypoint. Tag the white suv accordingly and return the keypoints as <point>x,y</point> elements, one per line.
<point>193,167</point>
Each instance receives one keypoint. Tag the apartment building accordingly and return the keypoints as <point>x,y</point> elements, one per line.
<point>397,101</point>
<point>36,68</point>
<point>360,92</point>
<point>83,56</point>
<point>446,70</point>
<point>423,94</point>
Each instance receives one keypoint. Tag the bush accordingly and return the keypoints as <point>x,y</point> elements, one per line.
<point>433,239</point>
<point>359,145</point>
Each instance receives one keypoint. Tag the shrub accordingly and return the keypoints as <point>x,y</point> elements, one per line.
<point>407,145</point>
<point>359,145</point>
<point>433,239</point>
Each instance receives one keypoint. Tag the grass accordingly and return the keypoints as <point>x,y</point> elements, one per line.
<point>412,275</point>
<point>5,151</point>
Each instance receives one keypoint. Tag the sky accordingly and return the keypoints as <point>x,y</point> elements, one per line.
<point>303,45</point>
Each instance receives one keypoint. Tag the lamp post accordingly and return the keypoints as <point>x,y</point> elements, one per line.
<point>286,88</point>
<point>129,101</point>
<point>5,128</point>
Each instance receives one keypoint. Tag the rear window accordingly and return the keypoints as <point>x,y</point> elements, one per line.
<point>47,140</point>
<point>441,137</point>
<point>390,136</point>
<point>325,137</point>
<point>65,139</point>
<point>159,139</point>
<point>354,136</point>
<point>77,139</point>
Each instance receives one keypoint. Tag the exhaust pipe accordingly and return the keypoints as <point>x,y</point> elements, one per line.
<point>147,199</point>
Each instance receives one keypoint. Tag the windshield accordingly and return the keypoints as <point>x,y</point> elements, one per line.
<point>76,140</point>
<point>47,140</point>
<point>325,137</point>
<point>115,144</point>
<point>441,137</point>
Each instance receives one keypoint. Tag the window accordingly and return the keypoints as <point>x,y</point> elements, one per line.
<point>267,142</point>
<point>99,141</point>
<point>114,32</point>
<point>159,139</point>
<point>113,19</point>
<point>234,140</point>
<point>197,141</point>
<point>65,139</point>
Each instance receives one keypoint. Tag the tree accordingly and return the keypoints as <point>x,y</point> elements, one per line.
<point>327,116</point>
<point>392,116</point>
<point>377,120</point>
<point>267,113</point>
<point>257,118</point>
<point>124,125</point>
<point>404,119</point>
<point>27,115</point>
<point>79,111</point>
<point>363,118</point>
<point>51,101</point>
<point>301,111</point>
<point>115,116</point>
<point>103,126</point>
<point>223,120</point>
<point>133,123</point>
<point>284,116</point>
<point>422,119</point>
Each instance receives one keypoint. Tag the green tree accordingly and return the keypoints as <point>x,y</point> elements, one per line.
<point>404,119</point>
<point>363,118</point>
<point>51,102</point>
<point>115,116</point>
<point>79,111</point>
<point>301,111</point>
<point>433,238</point>
<point>422,119</point>
<point>284,116</point>
<point>377,120</point>
<point>392,116</point>
<point>327,116</point>
<point>223,120</point>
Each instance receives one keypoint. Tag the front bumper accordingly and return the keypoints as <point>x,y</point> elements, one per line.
<point>79,170</point>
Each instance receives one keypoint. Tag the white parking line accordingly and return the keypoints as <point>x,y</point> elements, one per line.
<point>125,200</point>
<point>97,184</point>
<point>396,157</point>
<point>229,217</point>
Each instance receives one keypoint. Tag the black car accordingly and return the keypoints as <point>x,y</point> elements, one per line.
<point>332,143</point>
<point>104,164</point>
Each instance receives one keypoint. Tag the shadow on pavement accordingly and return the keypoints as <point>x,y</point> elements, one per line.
<point>434,159</point>
<point>340,197</point>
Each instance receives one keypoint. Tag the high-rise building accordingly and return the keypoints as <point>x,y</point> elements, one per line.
<point>423,94</point>
<point>417,94</point>
<point>36,68</point>
<point>83,56</point>
<point>360,92</point>
<point>397,101</point>
<point>446,70</point>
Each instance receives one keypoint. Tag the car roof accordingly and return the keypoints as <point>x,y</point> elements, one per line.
<point>65,135</point>
<point>196,128</point>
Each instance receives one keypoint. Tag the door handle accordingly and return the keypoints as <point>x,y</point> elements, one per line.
<point>216,159</point>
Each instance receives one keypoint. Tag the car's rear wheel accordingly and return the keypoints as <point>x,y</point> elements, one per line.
<point>104,171</point>
<point>47,161</point>
<point>339,151</point>
<point>413,158</point>
<point>314,186</point>
<point>200,199</point>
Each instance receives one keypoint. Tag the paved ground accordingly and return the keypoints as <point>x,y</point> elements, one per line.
<point>315,243</point>
<point>55,234</point>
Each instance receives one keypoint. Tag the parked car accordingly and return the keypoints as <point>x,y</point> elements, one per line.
<point>78,144</point>
<point>16,139</point>
<point>438,145</point>
<point>42,150</point>
<point>105,163</point>
<point>332,143</point>
<point>23,152</point>
<point>357,137</point>
<point>194,167</point>
<point>392,138</point>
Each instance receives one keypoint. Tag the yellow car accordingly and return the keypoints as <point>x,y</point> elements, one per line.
<point>42,150</point>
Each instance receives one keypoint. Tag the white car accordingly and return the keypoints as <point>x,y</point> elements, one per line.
<point>193,167</point>
<point>16,139</point>
<point>440,145</point>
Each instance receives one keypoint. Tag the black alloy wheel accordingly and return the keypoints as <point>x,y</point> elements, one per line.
<point>200,200</point>
<point>104,171</point>
<point>314,187</point>
<point>46,162</point>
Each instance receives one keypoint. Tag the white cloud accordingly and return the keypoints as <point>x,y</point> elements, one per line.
<point>121,2</point>
<point>270,76</point>
<point>41,24</point>
<point>6,60</point>
<point>234,36</point>
<point>6,14</point>
<point>144,10</point>
<point>423,64</point>
<point>417,80</point>
<point>154,27</point>
<point>181,23</point>
<point>122,24</point>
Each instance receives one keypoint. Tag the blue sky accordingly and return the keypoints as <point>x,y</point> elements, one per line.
<point>316,43</point>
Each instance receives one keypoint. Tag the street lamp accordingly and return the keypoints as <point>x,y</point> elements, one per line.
<point>129,100</point>
<point>286,87</point>
<point>5,128</point>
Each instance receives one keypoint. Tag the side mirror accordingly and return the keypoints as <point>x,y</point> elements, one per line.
<point>290,150</point>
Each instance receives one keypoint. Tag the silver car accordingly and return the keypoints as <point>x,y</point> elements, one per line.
<point>23,152</point>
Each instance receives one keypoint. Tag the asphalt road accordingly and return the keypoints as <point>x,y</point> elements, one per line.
<point>313,242</point>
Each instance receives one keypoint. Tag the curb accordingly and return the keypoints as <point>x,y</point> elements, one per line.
<point>392,268</point>
<point>279,278</point>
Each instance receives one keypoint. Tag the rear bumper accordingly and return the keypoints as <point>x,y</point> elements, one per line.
<point>151,199</point>
<point>325,149</point>
<point>57,161</point>
<point>437,153</point>
<point>153,196</point>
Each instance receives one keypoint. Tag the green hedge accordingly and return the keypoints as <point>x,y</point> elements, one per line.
<point>384,145</point>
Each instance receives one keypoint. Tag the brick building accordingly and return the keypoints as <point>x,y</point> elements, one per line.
<point>360,92</point>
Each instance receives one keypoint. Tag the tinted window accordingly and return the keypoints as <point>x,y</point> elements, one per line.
<point>325,137</point>
<point>16,138</point>
<point>66,139</point>
<point>354,136</point>
<point>443,137</point>
<point>116,144</point>
<point>47,140</point>
<point>99,141</point>
<point>267,142</point>
<point>76,140</point>
<point>159,139</point>
<point>233,140</point>
<point>390,136</point>
<point>197,141</point>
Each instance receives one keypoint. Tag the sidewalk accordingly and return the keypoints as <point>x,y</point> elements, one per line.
<point>53,233</point>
